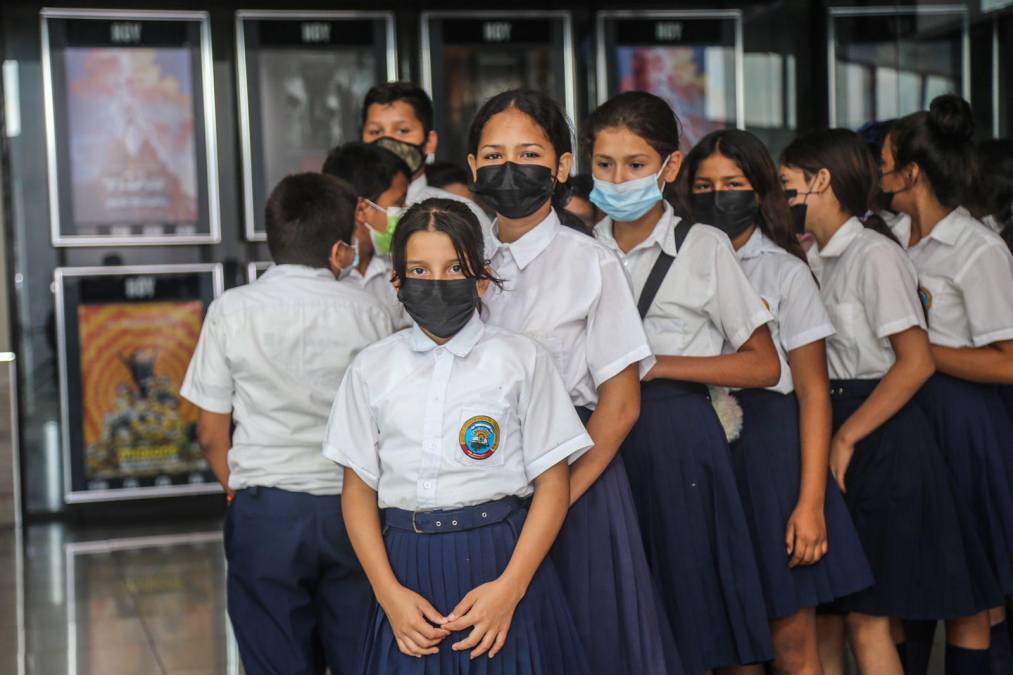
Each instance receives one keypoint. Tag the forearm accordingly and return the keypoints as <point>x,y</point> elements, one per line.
<point>814,430</point>
<point>362,521</point>
<point>214,436</point>
<point>545,518</point>
<point>897,387</point>
<point>742,370</point>
<point>988,365</point>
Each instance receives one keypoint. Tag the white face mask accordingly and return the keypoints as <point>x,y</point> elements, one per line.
<point>345,271</point>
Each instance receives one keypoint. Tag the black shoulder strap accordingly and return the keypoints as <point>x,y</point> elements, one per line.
<point>660,269</point>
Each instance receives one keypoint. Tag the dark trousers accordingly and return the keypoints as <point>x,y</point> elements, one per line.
<point>297,597</point>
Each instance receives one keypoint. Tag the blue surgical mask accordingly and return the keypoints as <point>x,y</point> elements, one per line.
<point>628,201</point>
<point>355,261</point>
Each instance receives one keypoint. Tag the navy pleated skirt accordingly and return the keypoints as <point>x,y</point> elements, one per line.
<point>925,556</point>
<point>615,603</point>
<point>768,469</point>
<point>442,568</point>
<point>976,436</point>
<point>695,529</point>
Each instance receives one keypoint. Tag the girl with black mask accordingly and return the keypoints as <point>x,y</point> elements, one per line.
<point>570,293</point>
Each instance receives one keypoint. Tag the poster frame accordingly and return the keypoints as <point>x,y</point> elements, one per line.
<point>602,93</point>
<point>894,10</point>
<point>70,495</point>
<point>255,268</point>
<point>60,239</point>
<point>243,91</point>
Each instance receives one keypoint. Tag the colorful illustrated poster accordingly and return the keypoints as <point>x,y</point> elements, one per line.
<point>132,151</point>
<point>131,145</point>
<point>302,79</point>
<point>126,337</point>
<point>133,359</point>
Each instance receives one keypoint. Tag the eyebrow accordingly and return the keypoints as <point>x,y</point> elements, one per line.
<point>639,155</point>
<point>518,145</point>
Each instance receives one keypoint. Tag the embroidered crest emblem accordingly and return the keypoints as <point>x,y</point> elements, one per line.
<point>925,295</point>
<point>479,437</point>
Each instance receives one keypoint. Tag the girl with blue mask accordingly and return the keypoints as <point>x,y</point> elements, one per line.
<point>677,453</point>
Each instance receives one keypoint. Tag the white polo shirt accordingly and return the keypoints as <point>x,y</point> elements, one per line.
<point>705,299</point>
<point>376,282</point>
<point>965,278</point>
<point>419,190</point>
<point>869,288</point>
<point>433,427</point>
<point>789,291</point>
<point>570,293</point>
<point>272,353</point>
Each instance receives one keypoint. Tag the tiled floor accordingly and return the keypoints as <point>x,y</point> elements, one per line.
<point>137,600</point>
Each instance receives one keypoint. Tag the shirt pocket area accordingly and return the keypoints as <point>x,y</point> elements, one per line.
<point>481,436</point>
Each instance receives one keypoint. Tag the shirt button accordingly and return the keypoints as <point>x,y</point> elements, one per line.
<point>427,485</point>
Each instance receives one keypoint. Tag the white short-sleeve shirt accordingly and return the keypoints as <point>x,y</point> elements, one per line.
<point>376,282</point>
<point>789,290</point>
<point>870,290</point>
<point>965,278</point>
<point>272,354</point>
<point>570,293</point>
<point>705,299</point>
<point>433,427</point>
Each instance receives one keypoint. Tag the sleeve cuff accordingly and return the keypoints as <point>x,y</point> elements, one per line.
<point>994,336</point>
<point>610,370</point>
<point>899,325</point>
<point>570,451</point>
<point>808,337</point>
<point>203,401</point>
<point>335,455</point>
<point>760,318</point>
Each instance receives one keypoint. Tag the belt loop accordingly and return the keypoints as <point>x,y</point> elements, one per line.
<point>255,491</point>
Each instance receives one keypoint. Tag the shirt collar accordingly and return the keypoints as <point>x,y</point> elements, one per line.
<point>948,229</point>
<point>297,271</point>
<point>842,238</point>
<point>416,188</point>
<point>534,241</point>
<point>757,245</point>
<point>663,234</point>
<point>459,345</point>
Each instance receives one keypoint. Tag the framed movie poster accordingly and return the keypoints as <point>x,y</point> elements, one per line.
<point>126,335</point>
<point>885,62</point>
<point>302,78</point>
<point>468,57</point>
<point>130,127</point>
<point>692,59</point>
<point>255,269</point>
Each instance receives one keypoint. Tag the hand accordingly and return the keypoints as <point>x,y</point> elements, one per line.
<point>412,620</point>
<point>806,535</point>
<point>489,609</point>
<point>841,452</point>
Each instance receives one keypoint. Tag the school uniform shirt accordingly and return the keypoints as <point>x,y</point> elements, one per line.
<point>376,282</point>
<point>434,427</point>
<point>965,279</point>
<point>789,291</point>
<point>704,300</point>
<point>272,354</point>
<point>419,190</point>
<point>869,288</point>
<point>567,291</point>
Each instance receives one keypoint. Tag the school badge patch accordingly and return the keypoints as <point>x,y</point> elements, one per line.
<point>480,437</point>
<point>925,295</point>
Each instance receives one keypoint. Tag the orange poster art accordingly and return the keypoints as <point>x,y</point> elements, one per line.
<point>133,359</point>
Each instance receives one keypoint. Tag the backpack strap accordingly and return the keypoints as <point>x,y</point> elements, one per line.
<point>660,269</point>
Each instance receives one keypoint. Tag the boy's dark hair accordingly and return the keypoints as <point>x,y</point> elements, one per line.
<point>368,168</point>
<point>581,185</point>
<point>440,174</point>
<point>454,219</point>
<point>306,214</point>
<point>413,95</point>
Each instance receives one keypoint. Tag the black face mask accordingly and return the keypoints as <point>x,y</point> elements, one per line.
<point>731,211</point>
<point>798,213</point>
<point>441,307</point>
<point>412,155</point>
<point>514,190</point>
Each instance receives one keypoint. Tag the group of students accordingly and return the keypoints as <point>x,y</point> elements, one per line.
<point>522,467</point>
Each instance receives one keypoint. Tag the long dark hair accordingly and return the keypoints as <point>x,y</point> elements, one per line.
<point>995,184</point>
<point>751,156</point>
<point>545,112</point>
<point>452,218</point>
<point>854,173</point>
<point>939,141</point>
<point>643,114</point>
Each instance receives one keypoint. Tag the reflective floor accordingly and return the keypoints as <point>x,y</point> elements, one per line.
<point>135,600</point>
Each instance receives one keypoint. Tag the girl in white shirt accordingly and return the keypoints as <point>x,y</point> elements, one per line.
<point>567,291</point>
<point>965,278</point>
<point>883,453</point>
<point>678,457</point>
<point>460,433</point>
